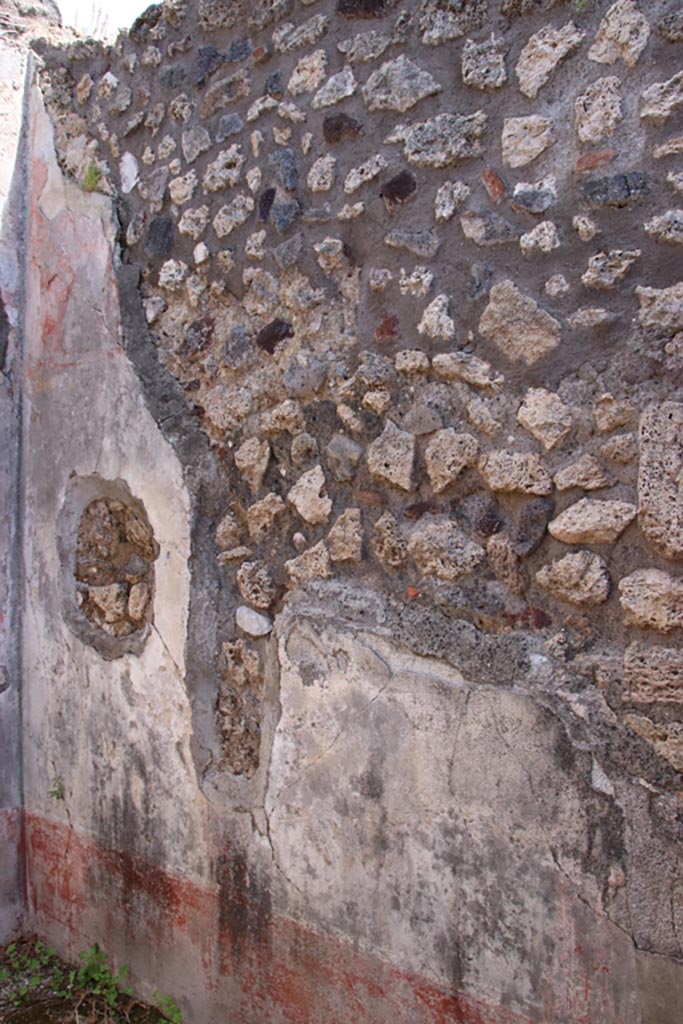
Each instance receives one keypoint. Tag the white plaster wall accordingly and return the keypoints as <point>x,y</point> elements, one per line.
<point>117,732</point>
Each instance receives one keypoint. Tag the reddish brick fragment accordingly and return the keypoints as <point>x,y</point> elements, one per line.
<point>594,158</point>
<point>493,184</point>
<point>387,330</point>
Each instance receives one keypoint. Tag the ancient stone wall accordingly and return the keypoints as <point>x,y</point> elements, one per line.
<point>395,291</point>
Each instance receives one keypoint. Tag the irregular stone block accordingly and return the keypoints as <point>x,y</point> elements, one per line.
<point>339,128</point>
<point>391,457</point>
<point>525,138</point>
<point>606,269</point>
<point>660,478</point>
<point>364,47</point>
<point>388,542</point>
<point>365,172</point>
<point>313,564</point>
<point>543,238</point>
<point>251,461</point>
<point>447,455</point>
<point>653,674</point>
<point>256,585</point>
<point>580,579</point>
<point>345,539</point>
<point>424,243</point>
<point>253,623</point>
<point>662,99</point>
<point>483,64</point>
<point>487,228</point>
<point>522,472</point>
<point>308,73</point>
<point>535,198</point>
<point>307,497</point>
<point>335,89</point>
<point>517,325</point>
<point>443,20</point>
<point>440,548</point>
<point>590,521</point>
<point>598,110</point>
<point>668,227</point>
<point>468,368</point>
<point>442,141</point>
<point>233,215</point>
<point>586,473</point>
<point>652,599</point>
<point>290,37</point>
<point>543,53</point>
<point>545,416</point>
<point>436,321</point>
<point>398,85</point>
<point>449,198</point>
<point>661,307</point>
<point>623,33</point>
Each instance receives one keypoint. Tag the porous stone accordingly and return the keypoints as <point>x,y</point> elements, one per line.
<point>303,448</point>
<point>662,99</point>
<point>443,20</point>
<point>335,89</point>
<point>517,325</point>
<point>308,499</point>
<point>525,138</point>
<point>253,623</point>
<point>449,199</point>
<point>556,286</point>
<point>610,414</point>
<point>436,321</point>
<point>342,456</point>
<point>251,461</point>
<point>483,64</point>
<point>322,173</point>
<point>505,564</point>
<point>286,417</point>
<point>256,585</point>
<point>440,548</point>
<point>391,457</point>
<point>590,521</point>
<point>586,473</point>
<point>623,34</point>
<point>660,478</point>
<point>622,449</point>
<point>591,318</point>
<point>194,142</point>
<point>308,73</point>
<point>535,198</point>
<point>464,366</point>
<point>364,47</point>
<point>224,93</point>
<point>447,455</point>
<point>652,599</point>
<point>182,189</point>
<point>671,26</point>
<point>379,279</point>
<point>345,539</point>
<point>521,472</point>
<point>606,269</point>
<point>543,238</point>
<point>172,275</point>
<point>580,579</point>
<point>233,215</point>
<point>424,242</point>
<point>193,222</point>
<point>443,141</point>
<point>487,228</point>
<point>653,674</point>
<point>228,533</point>
<point>313,564</point>
<point>543,53</point>
<point>598,110</point>
<point>224,171</point>
<point>661,307</point>
<point>416,283</point>
<point>261,516</point>
<point>289,37</point>
<point>365,172</point>
<point>388,543</point>
<point>585,227</point>
<point>545,416</point>
<point>411,362</point>
<point>667,227</point>
<point>398,85</point>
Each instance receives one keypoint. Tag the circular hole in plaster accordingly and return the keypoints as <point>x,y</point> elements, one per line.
<point>107,552</point>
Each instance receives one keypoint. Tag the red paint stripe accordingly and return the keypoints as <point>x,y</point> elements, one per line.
<point>275,970</point>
